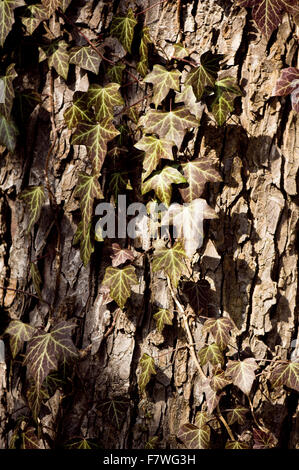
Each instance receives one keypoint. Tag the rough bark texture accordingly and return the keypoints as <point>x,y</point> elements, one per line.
<point>250,256</point>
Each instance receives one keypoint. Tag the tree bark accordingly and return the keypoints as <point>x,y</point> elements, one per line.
<point>249,256</point>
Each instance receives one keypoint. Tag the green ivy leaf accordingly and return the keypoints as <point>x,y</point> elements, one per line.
<point>115,72</point>
<point>205,74</point>
<point>147,365</point>
<point>78,111</point>
<point>223,104</point>
<point>188,97</point>
<point>171,261</point>
<point>163,317</point>
<point>219,381</point>
<point>220,329</point>
<point>88,189</point>
<point>59,59</point>
<point>201,418</point>
<point>142,65</point>
<point>286,374</point>
<point>86,243</point>
<point>7,17</point>
<point>242,373</point>
<point>152,443</point>
<point>118,183</point>
<point>34,197</point>
<point>7,91</point>
<point>180,51</point>
<point>122,27</point>
<point>29,439</point>
<point>161,183</point>
<point>120,280</point>
<point>36,278</point>
<point>170,125</point>
<point>86,58</point>
<point>237,415</point>
<point>36,396</point>
<point>198,172</point>
<point>19,332</point>
<point>194,437</point>
<point>211,353</point>
<point>46,350</point>
<point>51,6</point>
<point>236,445</point>
<point>8,133</point>
<point>163,81</point>
<point>83,444</point>
<point>36,14</point>
<point>103,99</point>
<point>115,410</point>
<point>95,137</point>
<point>155,149</point>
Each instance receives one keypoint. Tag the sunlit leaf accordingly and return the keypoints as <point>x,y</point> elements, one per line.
<point>104,99</point>
<point>163,81</point>
<point>7,17</point>
<point>212,397</point>
<point>46,350</point>
<point>201,418</point>
<point>120,255</point>
<point>237,415</point>
<point>86,58</point>
<point>223,104</point>
<point>147,366</point>
<point>163,317</point>
<point>205,74</point>
<point>36,14</point>
<point>59,59</point>
<point>288,83</point>
<point>95,137</point>
<point>286,373</point>
<point>210,353</point>
<point>171,261</point>
<point>51,5</point>
<point>236,445</point>
<point>142,65</point>
<point>86,243</point>
<point>8,133</point>
<point>88,189</point>
<point>122,27</point>
<point>220,329</point>
<point>7,91</point>
<point>120,280</point>
<point>65,4</point>
<point>115,410</point>
<point>180,51</point>
<point>36,278</point>
<point>154,149</point>
<point>263,440</point>
<point>19,332</point>
<point>198,172</point>
<point>188,97</point>
<point>171,125</point>
<point>219,381</point>
<point>78,111</point>
<point>194,437</point>
<point>242,373</point>
<point>161,183</point>
<point>34,197</point>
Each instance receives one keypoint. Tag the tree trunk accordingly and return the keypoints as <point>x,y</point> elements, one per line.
<point>249,256</point>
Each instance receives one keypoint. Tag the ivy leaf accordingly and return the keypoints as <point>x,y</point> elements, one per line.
<point>180,51</point>
<point>65,4</point>
<point>154,149</point>
<point>142,65</point>
<point>60,59</point>
<point>267,13</point>
<point>286,374</point>
<point>219,381</point>
<point>170,125</point>
<point>223,104</point>
<point>197,294</point>
<point>163,81</point>
<point>205,74</point>
<point>46,350</point>
<point>8,133</point>
<point>86,58</point>
<point>51,6</point>
<point>288,84</point>
<point>152,443</point>
<point>122,27</point>
<point>161,183</point>
<point>19,332</point>
<point>29,439</point>
<point>201,418</point>
<point>118,183</point>
<point>171,261</point>
<point>37,13</point>
<point>83,444</point>
<point>86,243</point>
<point>188,222</point>
<point>95,137</point>
<point>7,17</point>
<point>115,410</point>
<point>236,445</point>
<point>198,172</point>
<point>242,373</point>
<point>88,189</point>
<point>120,280</point>
<point>78,111</point>
<point>237,415</point>
<point>263,440</point>
<point>36,278</point>
<point>103,99</point>
<point>210,353</point>
<point>7,91</point>
<point>194,437</point>
<point>35,397</point>
<point>163,317</point>
<point>120,255</point>
<point>147,365</point>
<point>34,197</point>
<point>212,398</point>
<point>115,72</point>
<point>188,97</point>
<point>219,328</point>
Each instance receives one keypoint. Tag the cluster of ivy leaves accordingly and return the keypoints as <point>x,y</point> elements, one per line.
<point>101,120</point>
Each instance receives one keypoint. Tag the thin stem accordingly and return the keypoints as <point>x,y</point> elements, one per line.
<point>253,416</point>
<point>149,8</point>
<point>229,431</point>
<point>194,64</point>
<point>23,292</point>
